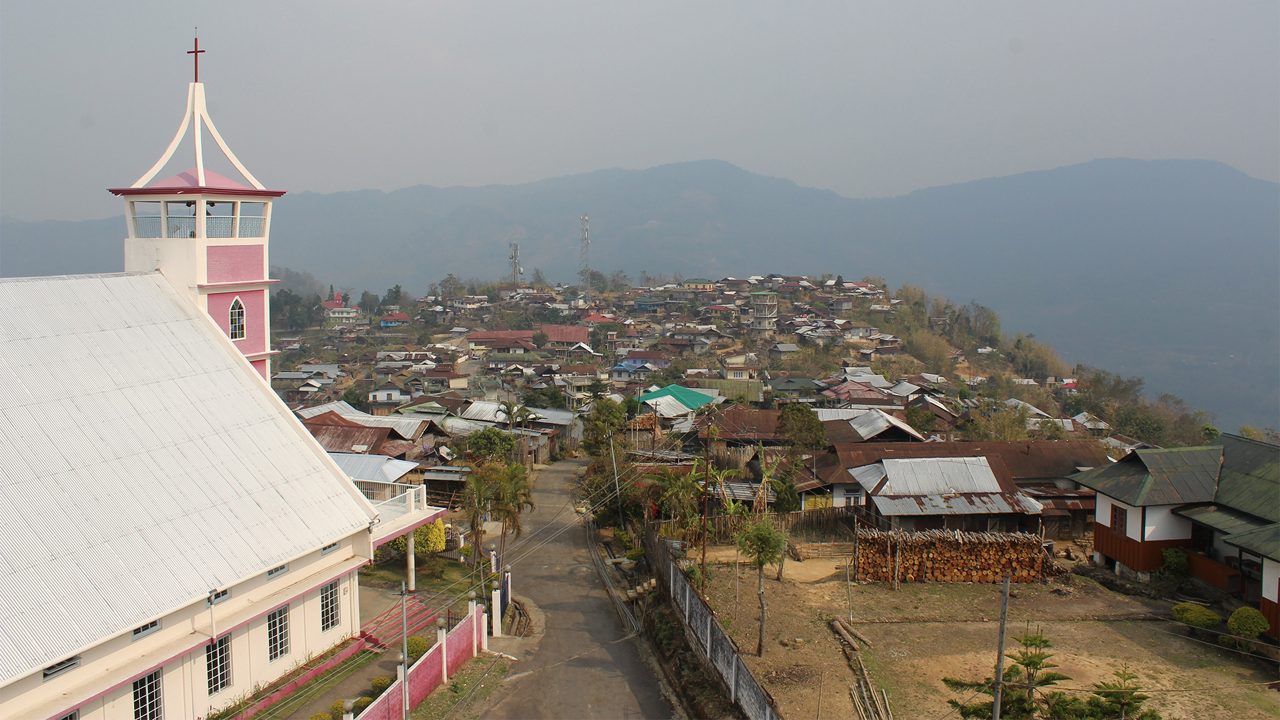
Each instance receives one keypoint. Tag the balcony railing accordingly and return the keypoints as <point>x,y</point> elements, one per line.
<point>393,500</point>
<point>220,226</point>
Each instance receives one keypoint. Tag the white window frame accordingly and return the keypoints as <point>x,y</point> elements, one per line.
<point>217,659</point>
<point>330,610</point>
<point>148,697</point>
<point>278,633</point>
<point>217,597</point>
<point>235,319</point>
<point>278,570</point>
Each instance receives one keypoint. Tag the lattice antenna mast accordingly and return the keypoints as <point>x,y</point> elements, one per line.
<point>517,272</point>
<point>584,259</point>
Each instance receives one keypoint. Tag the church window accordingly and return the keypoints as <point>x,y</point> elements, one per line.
<point>329,606</point>
<point>218,596</point>
<point>146,697</point>
<point>236,321</point>
<point>278,633</point>
<point>217,658</point>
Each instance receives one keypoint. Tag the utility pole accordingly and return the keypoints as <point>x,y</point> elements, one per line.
<point>404,650</point>
<point>584,259</point>
<point>1004,616</point>
<point>706,490</point>
<point>616,489</point>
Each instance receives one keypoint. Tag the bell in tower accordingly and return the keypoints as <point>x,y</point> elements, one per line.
<point>206,233</point>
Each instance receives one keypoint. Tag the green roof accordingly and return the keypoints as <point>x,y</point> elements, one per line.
<point>1158,476</point>
<point>1221,518</point>
<point>1264,541</point>
<point>1250,478</point>
<point>691,399</point>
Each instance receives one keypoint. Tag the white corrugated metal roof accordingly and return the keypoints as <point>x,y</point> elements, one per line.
<point>873,422</point>
<point>407,427</point>
<point>142,463</point>
<point>939,476</point>
<point>379,468</point>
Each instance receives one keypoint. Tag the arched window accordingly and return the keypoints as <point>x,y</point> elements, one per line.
<point>236,325</point>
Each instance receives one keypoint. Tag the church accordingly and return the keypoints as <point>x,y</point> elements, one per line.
<point>173,538</point>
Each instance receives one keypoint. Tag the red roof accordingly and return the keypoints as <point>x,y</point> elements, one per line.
<point>566,333</point>
<point>396,317</point>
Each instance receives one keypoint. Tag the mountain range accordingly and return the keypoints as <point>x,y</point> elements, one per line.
<point>1165,269</point>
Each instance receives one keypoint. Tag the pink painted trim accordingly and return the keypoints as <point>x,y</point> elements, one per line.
<point>355,648</point>
<point>202,643</point>
<point>408,528</point>
<point>123,192</point>
<point>247,284</point>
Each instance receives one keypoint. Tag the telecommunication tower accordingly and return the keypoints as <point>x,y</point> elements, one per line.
<point>516,271</point>
<point>584,262</point>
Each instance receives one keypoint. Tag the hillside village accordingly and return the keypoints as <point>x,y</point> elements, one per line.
<point>800,395</point>
<point>198,525</point>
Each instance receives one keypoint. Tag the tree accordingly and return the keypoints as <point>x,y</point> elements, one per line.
<point>606,418</point>
<point>539,339</point>
<point>921,418</point>
<point>539,280</point>
<point>478,492</point>
<point>1247,622</point>
<point>393,296</point>
<point>1000,422</point>
<point>801,427</point>
<point>489,445</point>
<point>762,543</point>
<point>451,287</point>
<point>355,398</point>
<point>513,494</point>
<point>676,495</point>
<point>1120,698</point>
<point>1029,671</point>
<point>368,302</point>
<point>929,349</point>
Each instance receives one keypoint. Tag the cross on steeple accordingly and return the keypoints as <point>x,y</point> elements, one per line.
<point>195,53</point>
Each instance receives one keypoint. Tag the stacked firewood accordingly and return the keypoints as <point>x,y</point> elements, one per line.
<point>938,556</point>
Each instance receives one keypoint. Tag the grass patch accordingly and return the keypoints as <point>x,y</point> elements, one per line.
<point>439,578</point>
<point>466,690</point>
<point>321,687</point>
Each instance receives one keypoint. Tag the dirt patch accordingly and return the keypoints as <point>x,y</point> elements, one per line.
<point>925,631</point>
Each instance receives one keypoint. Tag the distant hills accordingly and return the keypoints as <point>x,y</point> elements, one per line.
<point>1165,269</point>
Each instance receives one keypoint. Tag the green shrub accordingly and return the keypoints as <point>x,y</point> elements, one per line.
<point>418,646</point>
<point>361,703</point>
<point>337,709</point>
<point>321,716</point>
<point>636,554</point>
<point>380,684</point>
<point>1175,563</point>
<point>1197,616</point>
<point>1248,623</point>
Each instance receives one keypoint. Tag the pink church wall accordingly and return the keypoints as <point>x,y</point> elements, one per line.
<point>255,337</point>
<point>235,263</point>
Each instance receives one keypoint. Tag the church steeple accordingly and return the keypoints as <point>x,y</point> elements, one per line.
<point>206,233</point>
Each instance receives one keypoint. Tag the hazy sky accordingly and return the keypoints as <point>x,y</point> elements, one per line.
<point>866,99</point>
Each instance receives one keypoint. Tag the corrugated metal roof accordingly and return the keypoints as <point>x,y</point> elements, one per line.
<point>939,476</point>
<point>1221,518</point>
<point>1263,541</point>
<point>372,467</point>
<point>1250,477</point>
<point>871,423</point>
<point>142,463</point>
<point>1172,476</point>
<point>407,427</point>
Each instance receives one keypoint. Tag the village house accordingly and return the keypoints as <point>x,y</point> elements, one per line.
<point>1220,504</point>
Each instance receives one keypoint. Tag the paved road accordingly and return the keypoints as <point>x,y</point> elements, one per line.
<point>584,666</point>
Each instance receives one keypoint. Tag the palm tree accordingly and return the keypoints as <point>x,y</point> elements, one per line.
<point>477,497</point>
<point>513,495</point>
<point>762,543</point>
<point>677,495</point>
<point>516,415</point>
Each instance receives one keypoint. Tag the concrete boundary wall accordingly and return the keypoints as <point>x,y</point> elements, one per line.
<point>461,644</point>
